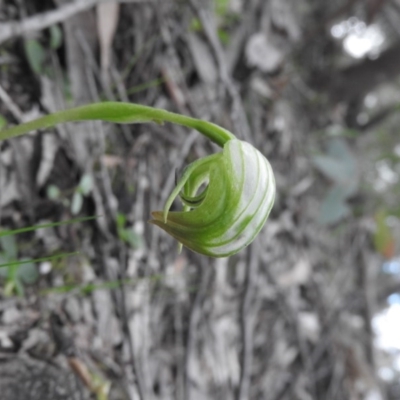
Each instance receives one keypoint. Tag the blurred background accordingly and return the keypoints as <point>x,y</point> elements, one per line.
<point>310,310</point>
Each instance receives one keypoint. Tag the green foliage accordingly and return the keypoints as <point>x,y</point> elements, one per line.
<point>225,20</point>
<point>16,272</point>
<point>221,7</point>
<point>334,207</point>
<point>223,36</point>
<point>195,25</point>
<point>340,166</point>
<point>76,203</point>
<point>53,192</point>
<point>56,37</point>
<point>125,234</point>
<point>35,55</point>
<point>83,190</point>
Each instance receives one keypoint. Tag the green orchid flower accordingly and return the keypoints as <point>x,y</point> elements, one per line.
<point>226,197</point>
<point>228,214</point>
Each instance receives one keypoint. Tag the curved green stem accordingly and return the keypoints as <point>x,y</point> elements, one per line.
<point>122,113</point>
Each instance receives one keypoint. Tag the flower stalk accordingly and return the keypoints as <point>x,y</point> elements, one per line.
<point>226,197</point>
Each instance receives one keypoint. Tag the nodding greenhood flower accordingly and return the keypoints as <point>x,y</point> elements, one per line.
<point>240,188</point>
<point>228,214</point>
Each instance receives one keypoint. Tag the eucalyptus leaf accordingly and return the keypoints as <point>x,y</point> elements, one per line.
<point>331,167</point>
<point>334,207</point>
<point>339,165</point>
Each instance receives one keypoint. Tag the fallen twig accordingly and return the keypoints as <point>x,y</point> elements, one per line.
<point>12,107</point>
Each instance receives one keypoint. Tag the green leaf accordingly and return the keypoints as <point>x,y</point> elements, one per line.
<point>195,25</point>
<point>9,245</point>
<point>131,237</point>
<point>121,220</point>
<point>86,184</point>
<point>339,165</point>
<point>77,202</point>
<point>223,36</point>
<point>221,7</point>
<point>19,287</point>
<point>28,273</point>
<point>9,288</point>
<point>53,192</point>
<point>333,209</point>
<point>35,55</point>
<point>56,37</point>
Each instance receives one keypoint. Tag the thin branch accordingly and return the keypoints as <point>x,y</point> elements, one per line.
<point>46,19</point>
